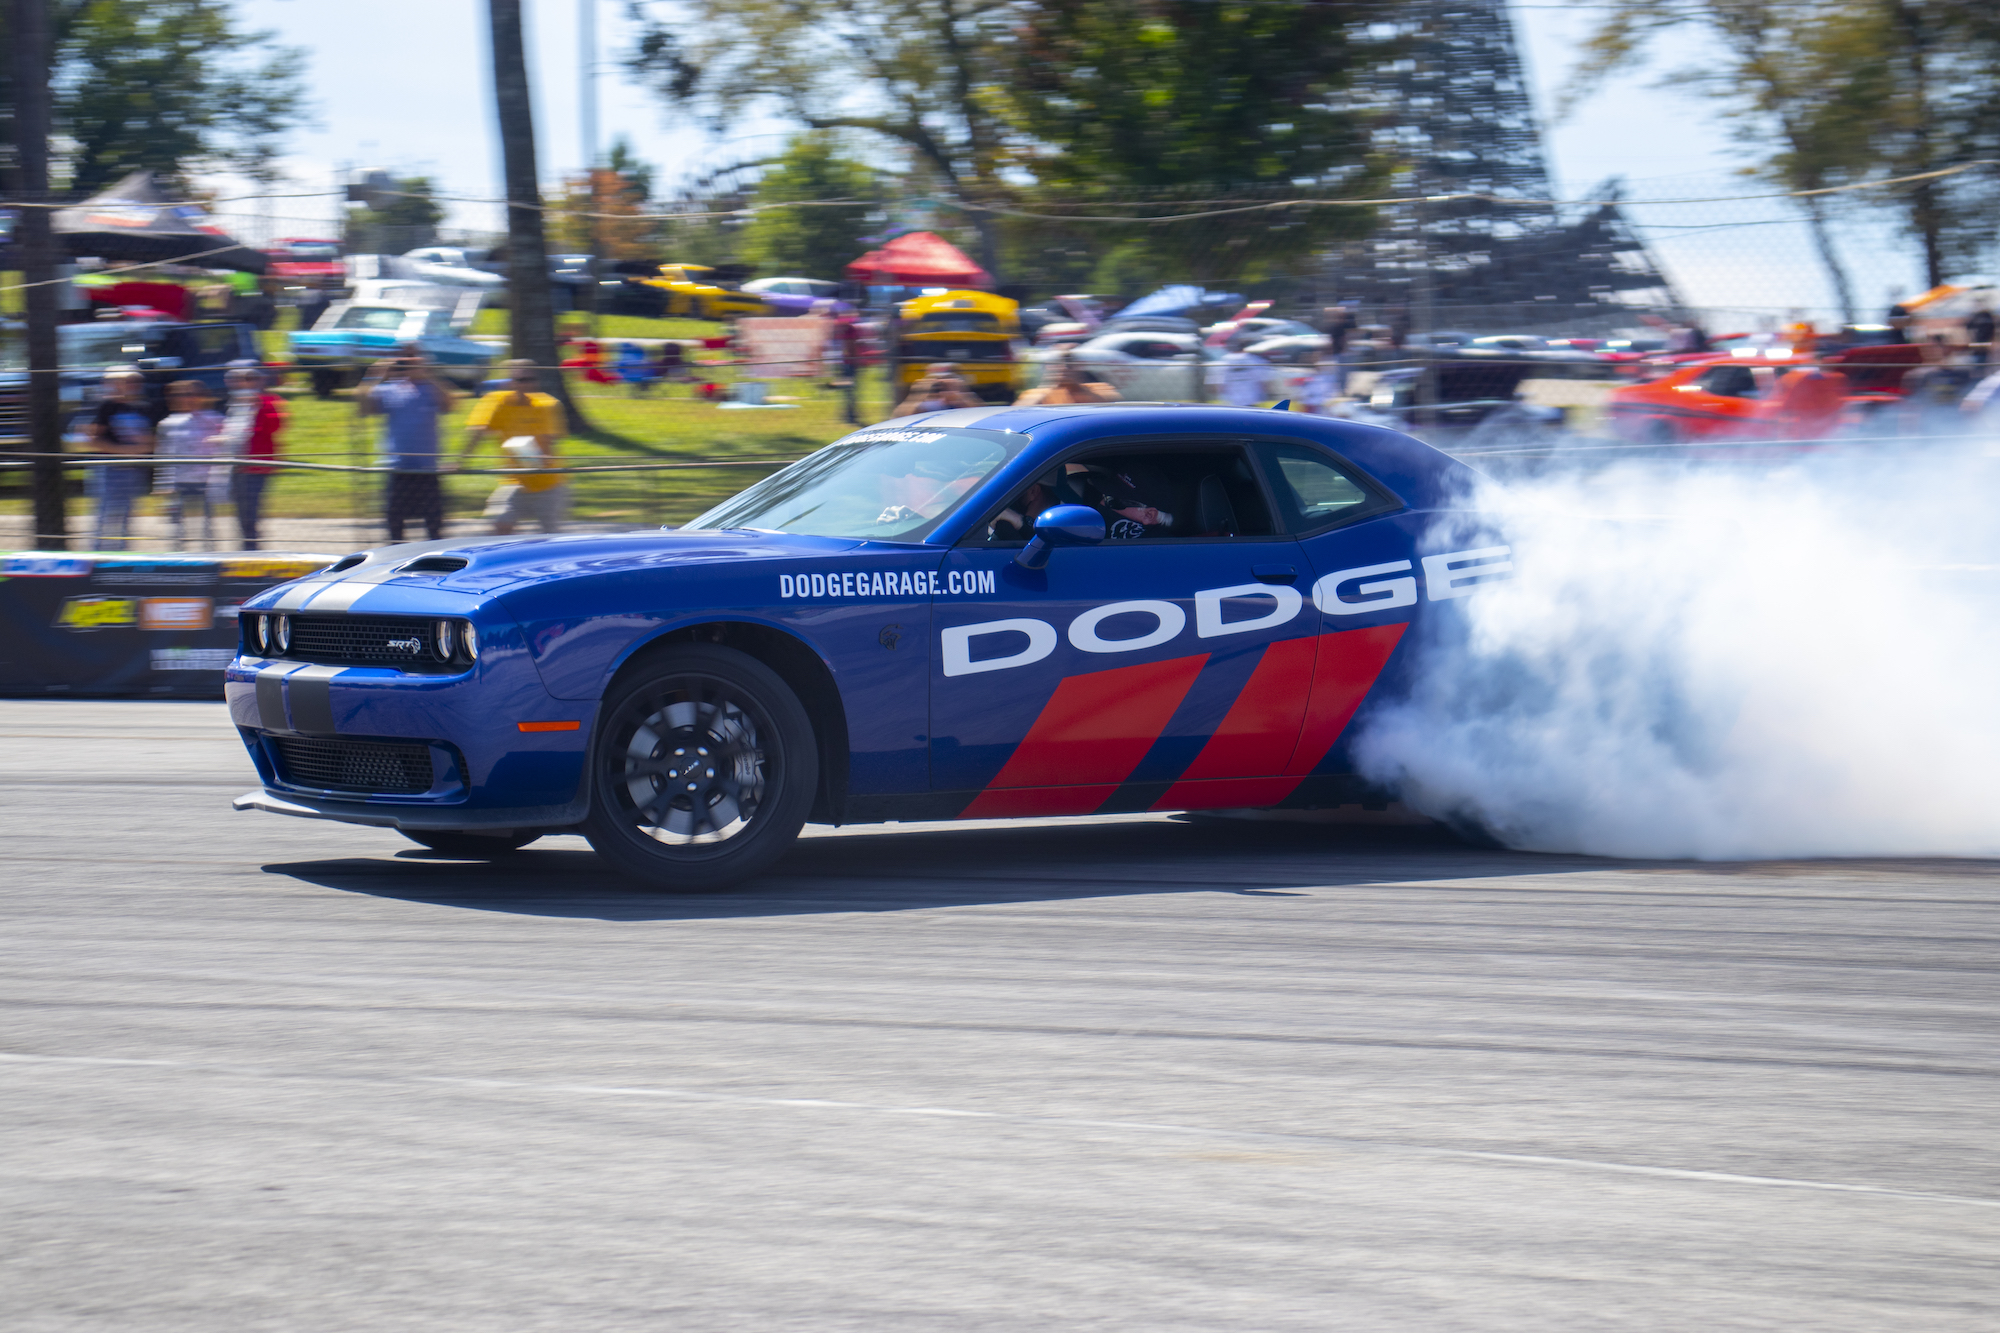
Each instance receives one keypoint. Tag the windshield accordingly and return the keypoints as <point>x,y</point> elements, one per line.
<point>372,317</point>
<point>313,250</point>
<point>893,482</point>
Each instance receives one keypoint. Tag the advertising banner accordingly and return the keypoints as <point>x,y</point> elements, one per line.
<point>776,347</point>
<point>135,624</point>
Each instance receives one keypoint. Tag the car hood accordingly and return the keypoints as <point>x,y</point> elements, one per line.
<point>487,566</point>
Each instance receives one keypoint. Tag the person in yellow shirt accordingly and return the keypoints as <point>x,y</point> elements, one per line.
<point>528,424</point>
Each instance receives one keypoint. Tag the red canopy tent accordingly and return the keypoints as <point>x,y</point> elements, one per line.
<point>920,259</point>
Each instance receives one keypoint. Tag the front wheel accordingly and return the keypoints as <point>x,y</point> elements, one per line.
<point>703,772</point>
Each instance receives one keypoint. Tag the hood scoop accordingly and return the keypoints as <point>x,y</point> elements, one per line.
<point>435,564</point>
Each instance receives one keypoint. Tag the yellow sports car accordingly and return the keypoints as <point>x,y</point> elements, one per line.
<point>700,292</point>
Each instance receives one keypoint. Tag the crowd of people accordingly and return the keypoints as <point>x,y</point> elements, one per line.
<point>127,425</point>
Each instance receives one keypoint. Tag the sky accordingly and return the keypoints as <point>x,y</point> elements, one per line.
<point>404,85</point>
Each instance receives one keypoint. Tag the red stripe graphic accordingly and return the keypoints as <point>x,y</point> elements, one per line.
<point>1343,671</point>
<point>1259,733</point>
<point>1346,670</point>
<point>1090,735</point>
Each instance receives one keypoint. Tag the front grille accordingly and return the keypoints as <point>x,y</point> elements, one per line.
<point>370,766</point>
<point>366,641</point>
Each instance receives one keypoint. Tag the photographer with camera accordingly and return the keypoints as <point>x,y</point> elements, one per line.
<point>941,389</point>
<point>411,402</point>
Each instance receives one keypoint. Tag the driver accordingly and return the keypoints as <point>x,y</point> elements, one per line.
<point>1128,515</point>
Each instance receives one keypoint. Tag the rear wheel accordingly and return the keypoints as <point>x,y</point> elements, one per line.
<point>704,770</point>
<point>471,846</point>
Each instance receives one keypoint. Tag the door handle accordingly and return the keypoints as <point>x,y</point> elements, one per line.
<point>1274,573</point>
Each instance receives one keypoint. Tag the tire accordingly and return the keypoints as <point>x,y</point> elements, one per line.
<point>470,846</point>
<point>1661,431</point>
<point>690,830</point>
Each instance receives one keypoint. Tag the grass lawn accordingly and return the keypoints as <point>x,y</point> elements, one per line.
<point>662,427</point>
<point>656,429</point>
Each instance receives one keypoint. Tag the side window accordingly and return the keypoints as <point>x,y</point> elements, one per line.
<point>1145,494</point>
<point>1315,489</point>
<point>1729,381</point>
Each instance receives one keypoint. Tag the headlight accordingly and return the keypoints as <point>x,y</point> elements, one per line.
<point>444,634</point>
<point>281,635</point>
<point>469,634</point>
<point>260,633</point>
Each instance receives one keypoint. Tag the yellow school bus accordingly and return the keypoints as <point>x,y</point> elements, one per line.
<point>976,331</point>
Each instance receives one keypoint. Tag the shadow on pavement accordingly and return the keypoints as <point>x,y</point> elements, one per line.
<point>906,870</point>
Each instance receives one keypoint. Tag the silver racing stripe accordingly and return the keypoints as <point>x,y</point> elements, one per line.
<point>295,596</point>
<point>271,696</point>
<point>310,696</point>
<point>341,596</point>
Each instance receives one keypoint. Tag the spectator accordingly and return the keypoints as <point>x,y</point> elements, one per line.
<point>634,369</point>
<point>672,365</point>
<point>192,429</point>
<point>1339,329</point>
<point>250,431</point>
<point>1979,327</point>
<point>1326,387</point>
<point>122,426</point>
<point>940,389</point>
<point>528,424</point>
<point>1245,375</point>
<point>411,402</point>
<point>1067,386</point>
<point>1899,324</point>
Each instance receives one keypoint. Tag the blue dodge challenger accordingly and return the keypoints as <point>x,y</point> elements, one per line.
<point>970,614</point>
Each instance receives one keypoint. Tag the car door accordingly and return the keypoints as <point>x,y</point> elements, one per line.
<point>1167,670</point>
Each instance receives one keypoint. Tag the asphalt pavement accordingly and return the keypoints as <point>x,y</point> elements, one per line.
<point>1148,1074</point>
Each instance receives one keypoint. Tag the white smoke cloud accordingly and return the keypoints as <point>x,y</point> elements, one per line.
<point>1725,662</point>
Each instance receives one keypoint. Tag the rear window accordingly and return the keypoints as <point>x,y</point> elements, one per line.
<point>958,321</point>
<point>1316,489</point>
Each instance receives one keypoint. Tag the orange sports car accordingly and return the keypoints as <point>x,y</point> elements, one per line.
<point>1772,396</point>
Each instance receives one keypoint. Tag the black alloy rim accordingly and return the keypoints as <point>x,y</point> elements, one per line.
<point>687,762</point>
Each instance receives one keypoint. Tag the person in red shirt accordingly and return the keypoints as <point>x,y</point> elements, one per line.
<point>254,421</point>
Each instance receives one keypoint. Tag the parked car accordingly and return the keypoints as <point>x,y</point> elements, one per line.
<point>336,351</point>
<point>1144,366</point>
<point>1728,397</point>
<point>700,292</point>
<point>976,330</point>
<point>797,296</point>
<point>302,261</point>
<point>162,351</point>
<point>450,266</point>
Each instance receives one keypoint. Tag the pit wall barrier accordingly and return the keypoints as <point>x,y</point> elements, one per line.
<point>118,624</point>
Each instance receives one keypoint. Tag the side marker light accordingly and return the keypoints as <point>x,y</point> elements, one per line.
<point>550,726</point>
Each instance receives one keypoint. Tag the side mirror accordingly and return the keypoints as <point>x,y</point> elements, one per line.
<point>1061,525</point>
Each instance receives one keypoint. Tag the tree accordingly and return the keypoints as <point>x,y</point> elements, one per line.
<point>597,213</point>
<point>1182,100</point>
<point>919,74</point>
<point>169,85</point>
<point>1833,92</point>
<point>405,220</point>
<point>532,329</point>
<point>814,242</point>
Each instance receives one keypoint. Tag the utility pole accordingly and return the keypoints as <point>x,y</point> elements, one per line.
<point>586,82</point>
<point>586,41</point>
<point>532,331</point>
<point>36,240</point>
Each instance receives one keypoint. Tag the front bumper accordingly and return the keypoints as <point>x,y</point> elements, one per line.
<point>486,770</point>
<point>353,811</point>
